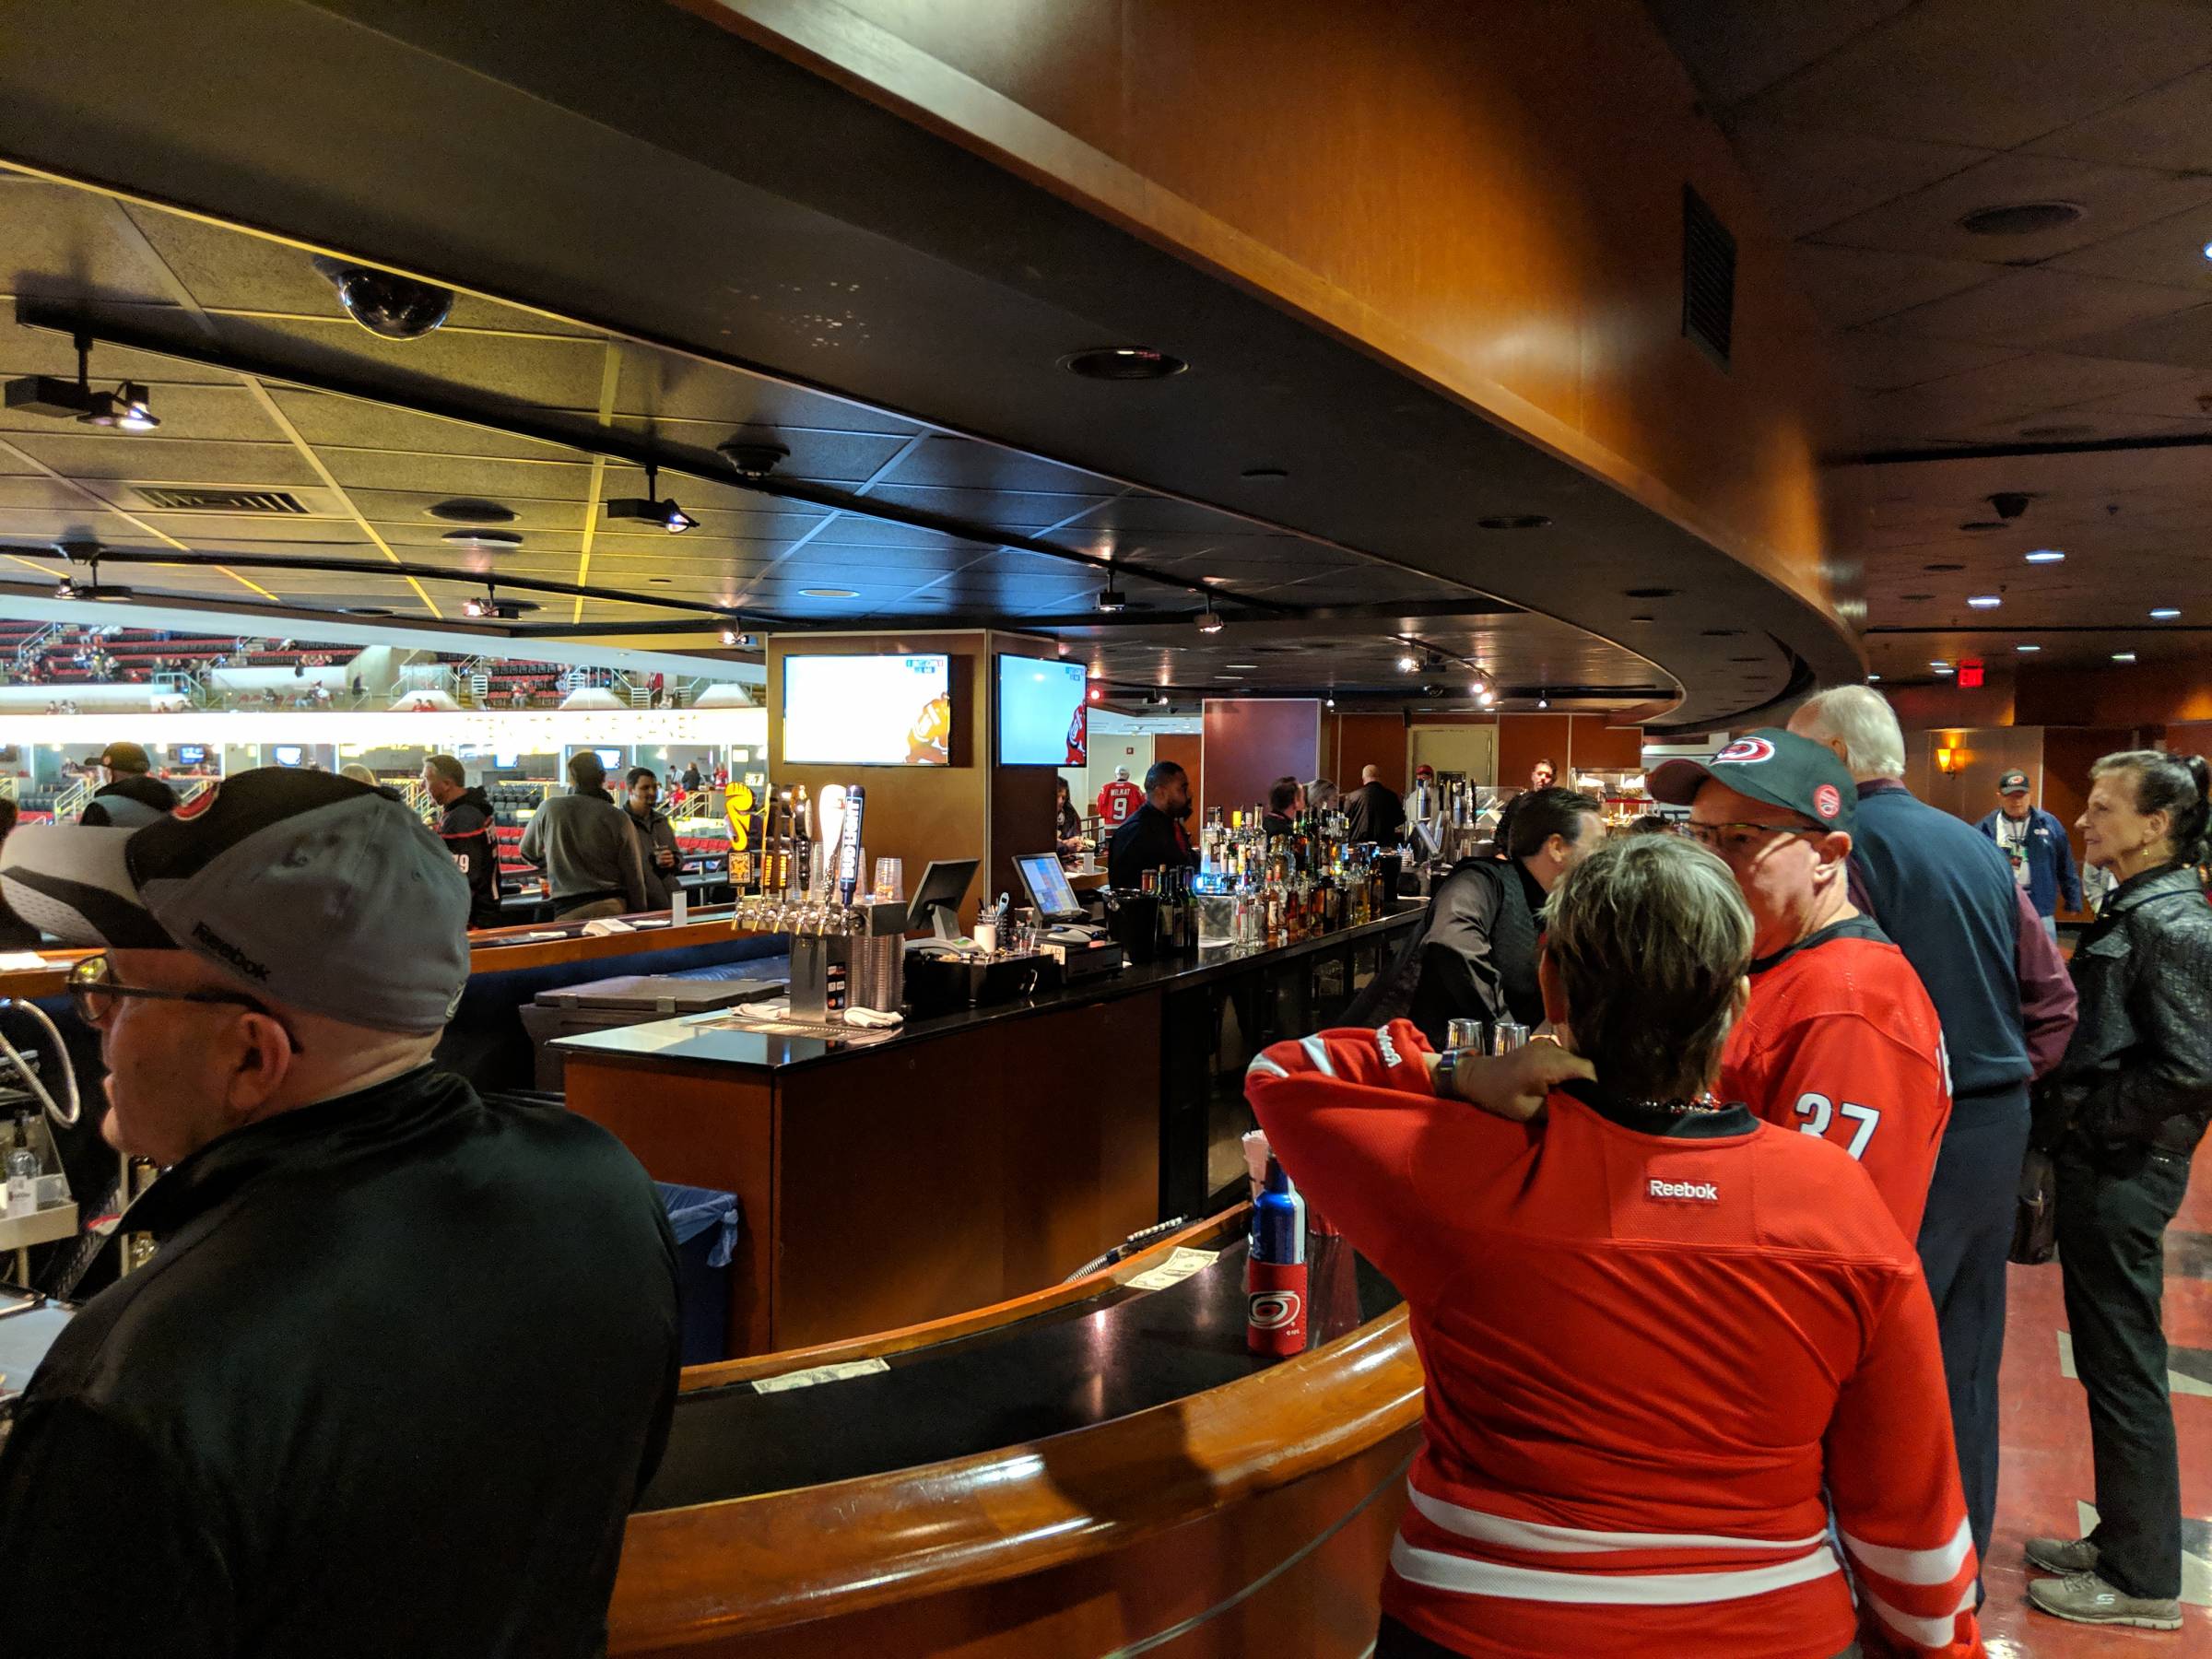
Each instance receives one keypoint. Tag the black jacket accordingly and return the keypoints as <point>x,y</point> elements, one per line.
<point>1375,813</point>
<point>131,802</point>
<point>464,827</point>
<point>1149,840</point>
<point>403,1363</point>
<point>1473,955</point>
<point>2139,1069</point>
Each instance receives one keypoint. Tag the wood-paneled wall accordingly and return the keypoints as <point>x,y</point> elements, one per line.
<point>1251,741</point>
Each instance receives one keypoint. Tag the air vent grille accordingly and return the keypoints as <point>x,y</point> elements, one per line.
<point>224,501</point>
<point>1708,278</point>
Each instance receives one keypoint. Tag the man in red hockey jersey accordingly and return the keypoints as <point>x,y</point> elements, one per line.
<point>1655,1331</point>
<point>1841,1040</point>
<point>1119,799</point>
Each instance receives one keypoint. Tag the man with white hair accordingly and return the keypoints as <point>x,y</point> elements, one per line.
<point>1118,802</point>
<point>1941,889</point>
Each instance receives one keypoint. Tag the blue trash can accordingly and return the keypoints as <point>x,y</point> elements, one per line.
<point>705,1223</point>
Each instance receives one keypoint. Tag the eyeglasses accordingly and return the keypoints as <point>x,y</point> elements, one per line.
<point>94,989</point>
<point>1740,840</point>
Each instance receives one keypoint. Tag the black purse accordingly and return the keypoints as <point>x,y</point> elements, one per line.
<point>2035,1214</point>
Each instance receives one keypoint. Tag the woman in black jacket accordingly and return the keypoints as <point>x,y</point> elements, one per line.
<point>2125,1110</point>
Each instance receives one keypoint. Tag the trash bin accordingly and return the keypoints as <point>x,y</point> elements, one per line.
<point>705,1223</point>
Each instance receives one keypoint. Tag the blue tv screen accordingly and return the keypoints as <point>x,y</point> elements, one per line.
<point>1042,711</point>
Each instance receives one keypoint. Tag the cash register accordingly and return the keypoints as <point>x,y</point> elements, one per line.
<point>1066,932</point>
<point>947,971</point>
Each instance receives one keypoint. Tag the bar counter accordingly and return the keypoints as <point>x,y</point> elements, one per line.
<point>967,1158</point>
<point>1089,1470</point>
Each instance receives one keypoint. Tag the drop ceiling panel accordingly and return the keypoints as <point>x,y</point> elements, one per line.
<point>2018,387</point>
<point>546,372</point>
<point>2169,251</point>
<point>2113,199</point>
<point>2040,307</point>
<point>325,420</point>
<point>660,383</point>
<point>2169,126</point>
<point>1875,361</point>
<point>1851,286</point>
<point>162,459</point>
<point>1818,176</point>
<point>460,475</point>
<point>2182,338</point>
<point>2034,67</point>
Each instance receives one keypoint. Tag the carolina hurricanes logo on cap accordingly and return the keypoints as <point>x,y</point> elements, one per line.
<point>1828,800</point>
<point>1745,751</point>
<point>199,802</point>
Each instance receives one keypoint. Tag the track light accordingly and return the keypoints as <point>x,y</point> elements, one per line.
<point>1488,699</point>
<point>125,408</point>
<point>1209,623</point>
<point>730,636</point>
<point>1329,702</point>
<point>491,605</point>
<point>1159,699</point>
<point>646,510</point>
<point>1109,599</point>
<point>1407,665</point>
<point>1543,701</point>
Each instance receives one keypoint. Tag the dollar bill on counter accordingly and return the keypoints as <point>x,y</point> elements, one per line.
<point>1181,1263</point>
<point>818,1374</point>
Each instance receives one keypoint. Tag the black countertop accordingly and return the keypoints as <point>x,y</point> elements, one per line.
<point>1112,1355</point>
<point>702,1040</point>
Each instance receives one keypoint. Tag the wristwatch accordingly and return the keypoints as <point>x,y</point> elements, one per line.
<point>1447,1067</point>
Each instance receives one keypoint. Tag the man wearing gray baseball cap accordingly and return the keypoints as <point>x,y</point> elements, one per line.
<point>405,1357</point>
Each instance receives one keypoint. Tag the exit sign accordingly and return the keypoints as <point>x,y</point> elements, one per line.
<point>1970,674</point>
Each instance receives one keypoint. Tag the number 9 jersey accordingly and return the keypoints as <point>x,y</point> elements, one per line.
<point>1841,1041</point>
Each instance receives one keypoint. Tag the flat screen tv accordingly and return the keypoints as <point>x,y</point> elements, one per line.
<point>192,754</point>
<point>289,754</point>
<point>867,711</point>
<point>1042,712</point>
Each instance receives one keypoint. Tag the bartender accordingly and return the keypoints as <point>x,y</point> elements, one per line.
<point>1154,836</point>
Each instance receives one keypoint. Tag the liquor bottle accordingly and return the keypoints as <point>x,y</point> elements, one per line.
<point>22,1171</point>
<point>1275,1279</point>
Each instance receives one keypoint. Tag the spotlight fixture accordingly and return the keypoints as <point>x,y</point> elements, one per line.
<point>1406,663</point>
<point>1110,599</point>
<point>647,510</point>
<point>1482,682</point>
<point>1123,363</point>
<point>1159,699</point>
<point>89,586</point>
<point>744,641</point>
<point>2165,613</point>
<point>1488,699</point>
<point>127,409</point>
<point>2124,656</point>
<point>1328,702</point>
<point>492,606</point>
<point>1542,700</point>
<point>2046,555</point>
<point>385,303</point>
<point>1096,692</point>
<point>1984,602</point>
<point>1209,622</point>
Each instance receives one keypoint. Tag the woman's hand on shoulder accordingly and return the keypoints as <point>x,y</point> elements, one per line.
<point>1513,1086</point>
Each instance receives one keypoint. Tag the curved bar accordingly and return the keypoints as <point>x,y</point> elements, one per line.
<point>760,1564</point>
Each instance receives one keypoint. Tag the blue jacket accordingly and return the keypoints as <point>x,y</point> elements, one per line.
<point>1944,892</point>
<point>2050,860</point>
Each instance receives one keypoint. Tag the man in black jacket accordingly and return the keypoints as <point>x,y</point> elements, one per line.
<point>1154,837</point>
<point>405,1357</point>
<point>1475,957</point>
<point>1374,811</point>
<point>465,825</point>
<point>129,794</point>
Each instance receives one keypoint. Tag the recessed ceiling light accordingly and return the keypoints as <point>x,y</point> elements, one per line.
<point>1872,678</point>
<point>1123,363</point>
<point>1939,568</point>
<point>2124,656</point>
<point>2019,218</point>
<point>483,538</point>
<point>1245,665</point>
<point>1265,475</point>
<point>1910,598</point>
<point>1642,617</point>
<point>2209,249</point>
<point>1721,633</point>
<point>469,510</point>
<point>2046,555</point>
<point>1407,665</point>
<point>1941,667</point>
<point>830,592</point>
<point>1984,602</point>
<point>662,581</point>
<point>2027,647</point>
<point>1514,520</point>
<point>2072,429</point>
<point>2165,613</point>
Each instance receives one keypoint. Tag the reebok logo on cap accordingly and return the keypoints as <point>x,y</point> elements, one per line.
<point>1701,1192</point>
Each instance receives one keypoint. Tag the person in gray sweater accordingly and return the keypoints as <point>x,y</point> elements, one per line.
<point>586,847</point>
<point>656,837</point>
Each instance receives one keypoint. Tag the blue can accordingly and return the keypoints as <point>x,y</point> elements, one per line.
<point>1279,1219</point>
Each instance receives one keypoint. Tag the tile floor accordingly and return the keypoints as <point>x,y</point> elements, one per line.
<point>2045,1483</point>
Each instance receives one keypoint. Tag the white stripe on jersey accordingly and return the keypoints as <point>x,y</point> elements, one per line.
<point>1928,1632</point>
<point>1266,1067</point>
<point>1318,1051</point>
<point>1573,1540</point>
<point>1458,1573</point>
<point>1914,1566</point>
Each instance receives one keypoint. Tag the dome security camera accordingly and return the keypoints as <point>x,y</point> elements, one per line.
<point>385,303</point>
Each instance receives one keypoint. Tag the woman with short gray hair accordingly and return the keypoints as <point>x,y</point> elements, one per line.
<point>1659,1336</point>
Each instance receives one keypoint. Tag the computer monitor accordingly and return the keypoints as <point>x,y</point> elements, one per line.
<point>944,884</point>
<point>1048,886</point>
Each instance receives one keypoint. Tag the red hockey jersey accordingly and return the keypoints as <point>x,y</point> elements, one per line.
<point>1841,1041</point>
<point>1118,800</point>
<point>1651,1342</point>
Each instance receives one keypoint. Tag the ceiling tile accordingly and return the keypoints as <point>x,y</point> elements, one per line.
<point>2169,251</point>
<point>2114,200</point>
<point>2182,338</point>
<point>1851,286</point>
<point>1953,72</point>
<point>2187,399</point>
<point>1730,62</point>
<point>2040,307</point>
<point>2169,126</point>
<point>819,454</point>
<point>1811,177</point>
<point>2021,386</point>
<point>459,475</point>
<point>1881,363</point>
<point>155,459</point>
<point>662,383</point>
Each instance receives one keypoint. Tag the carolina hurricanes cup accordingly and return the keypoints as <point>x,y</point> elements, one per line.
<point>1275,1307</point>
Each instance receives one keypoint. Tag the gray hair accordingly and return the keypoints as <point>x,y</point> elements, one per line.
<point>1653,1030</point>
<point>1863,722</point>
<point>1321,794</point>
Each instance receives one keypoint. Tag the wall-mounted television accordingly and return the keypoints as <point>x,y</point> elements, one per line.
<point>192,754</point>
<point>289,754</point>
<point>1042,717</point>
<point>867,711</point>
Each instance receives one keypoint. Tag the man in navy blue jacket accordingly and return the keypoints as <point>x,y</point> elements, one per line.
<point>2034,843</point>
<point>1945,895</point>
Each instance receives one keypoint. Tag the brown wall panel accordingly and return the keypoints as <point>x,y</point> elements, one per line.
<point>1377,740</point>
<point>1187,750</point>
<point>1602,748</point>
<point>1524,739</point>
<point>1251,741</point>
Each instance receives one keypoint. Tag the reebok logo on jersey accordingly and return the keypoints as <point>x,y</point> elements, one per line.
<point>1703,1191</point>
